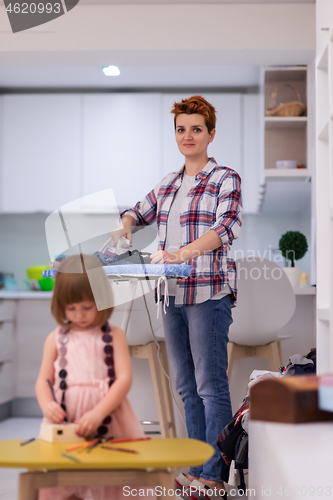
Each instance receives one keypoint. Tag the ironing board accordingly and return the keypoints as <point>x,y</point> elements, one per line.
<point>145,274</point>
<point>153,466</point>
<point>135,273</point>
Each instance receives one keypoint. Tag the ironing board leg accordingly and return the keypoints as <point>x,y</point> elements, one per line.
<point>133,283</point>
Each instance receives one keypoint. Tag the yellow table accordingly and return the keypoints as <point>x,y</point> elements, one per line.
<point>153,466</point>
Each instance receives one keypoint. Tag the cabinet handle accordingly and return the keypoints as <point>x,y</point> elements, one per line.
<point>324,29</point>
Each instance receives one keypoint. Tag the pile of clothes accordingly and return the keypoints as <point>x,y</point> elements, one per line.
<point>233,440</point>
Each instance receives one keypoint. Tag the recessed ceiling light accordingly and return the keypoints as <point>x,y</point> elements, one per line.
<point>111,71</point>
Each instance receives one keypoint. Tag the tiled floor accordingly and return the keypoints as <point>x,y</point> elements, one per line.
<point>24,428</point>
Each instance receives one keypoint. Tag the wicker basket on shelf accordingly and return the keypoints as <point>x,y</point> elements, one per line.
<point>292,108</point>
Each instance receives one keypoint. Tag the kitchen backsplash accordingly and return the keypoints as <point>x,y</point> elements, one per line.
<point>23,242</point>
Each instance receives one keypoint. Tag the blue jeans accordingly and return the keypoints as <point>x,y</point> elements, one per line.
<point>196,339</point>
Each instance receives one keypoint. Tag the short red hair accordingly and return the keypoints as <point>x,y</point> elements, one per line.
<point>196,105</point>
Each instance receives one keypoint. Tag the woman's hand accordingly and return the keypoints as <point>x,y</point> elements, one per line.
<point>54,412</point>
<point>120,232</point>
<point>89,422</point>
<point>124,229</point>
<point>163,257</point>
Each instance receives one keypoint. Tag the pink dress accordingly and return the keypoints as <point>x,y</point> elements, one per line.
<point>87,379</point>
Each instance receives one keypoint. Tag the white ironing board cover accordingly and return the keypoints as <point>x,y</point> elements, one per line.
<point>136,270</point>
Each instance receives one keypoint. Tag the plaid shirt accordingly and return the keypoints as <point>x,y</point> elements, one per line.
<point>213,203</point>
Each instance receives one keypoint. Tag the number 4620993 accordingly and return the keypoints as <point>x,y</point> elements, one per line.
<point>34,8</point>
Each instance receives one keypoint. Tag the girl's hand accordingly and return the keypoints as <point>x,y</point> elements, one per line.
<point>88,423</point>
<point>54,412</point>
<point>163,257</point>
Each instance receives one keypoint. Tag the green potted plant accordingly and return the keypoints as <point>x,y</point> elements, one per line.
<point>293,246</point>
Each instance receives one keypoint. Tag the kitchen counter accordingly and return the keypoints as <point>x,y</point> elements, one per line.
<point>24,294</point>
<point>28,294</point>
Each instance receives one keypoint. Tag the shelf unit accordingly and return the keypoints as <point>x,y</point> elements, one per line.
<point>286,138</point>
<point>324,184</point>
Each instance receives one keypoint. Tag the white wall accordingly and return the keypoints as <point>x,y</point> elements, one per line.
<point>260,236</point>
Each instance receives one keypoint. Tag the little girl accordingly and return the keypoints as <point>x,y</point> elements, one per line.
<point>88,364</point>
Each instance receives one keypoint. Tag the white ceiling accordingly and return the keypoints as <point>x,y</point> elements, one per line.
<point>193,70</point>
<point>161,2</point>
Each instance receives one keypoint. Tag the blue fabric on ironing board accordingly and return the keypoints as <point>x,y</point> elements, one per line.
<point>181,270</point>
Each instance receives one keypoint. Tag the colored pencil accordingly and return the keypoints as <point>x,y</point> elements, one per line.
<point>77,446</point>
<point>70,457</point>
<point>27,442</point>
<point>132,440</point>
<point>95,443</point>
<point>119,449</point>
<point>92,443</point>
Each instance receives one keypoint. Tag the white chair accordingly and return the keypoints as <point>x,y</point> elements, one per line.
<point>132,316</point>
<point>266,302</point>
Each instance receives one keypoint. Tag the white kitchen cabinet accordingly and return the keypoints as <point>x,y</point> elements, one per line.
<point>41,151</point>
<point>7,355</point>
<point>6,341</point>
<point>7,310</point>
<point>121,145</point>
<point>58,148</point>
<point>252,154</point>
<point>6,381</point>
<point>34,322</point>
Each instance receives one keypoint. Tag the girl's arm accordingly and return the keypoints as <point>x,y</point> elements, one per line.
<point>50,408</point>
<point>91,420</point>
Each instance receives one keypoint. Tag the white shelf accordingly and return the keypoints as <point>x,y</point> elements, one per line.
<point>286,137</point>
<point>281,73</point>
<point>285,174</point>
<point>285,122</point>
<point>323,314</point>
<point>305,290</point>
<point>322,61</point>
